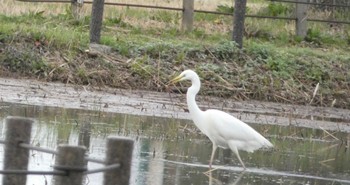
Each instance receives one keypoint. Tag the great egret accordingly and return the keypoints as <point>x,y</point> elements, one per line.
<point>221,128</point>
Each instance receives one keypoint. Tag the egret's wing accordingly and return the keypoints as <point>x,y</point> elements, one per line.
<point>228,128</point>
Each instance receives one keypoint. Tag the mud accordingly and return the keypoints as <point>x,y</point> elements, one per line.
<point>167,104</point>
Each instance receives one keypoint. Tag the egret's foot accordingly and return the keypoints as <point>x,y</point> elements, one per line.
<point>244,168</point>
<point>208,173</point>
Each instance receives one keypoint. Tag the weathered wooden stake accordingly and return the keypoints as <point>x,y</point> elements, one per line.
<point>18,130</point>
<point>238,21</point>
<point>187,15</point>
<point>119,150</point>
<point>72,160</point>
<point>96,21</point>
<point>301,22</point>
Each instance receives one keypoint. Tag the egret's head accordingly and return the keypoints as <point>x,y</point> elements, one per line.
<point>185,75</point>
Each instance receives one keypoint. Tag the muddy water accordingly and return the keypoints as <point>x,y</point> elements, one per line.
<point>172,151</point>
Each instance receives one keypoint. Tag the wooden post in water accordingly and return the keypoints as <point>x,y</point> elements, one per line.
<point>119,150</point>
<point>70,159</point>
<point>18,130</point>
<point>187,15</point>
<point>301,21</point>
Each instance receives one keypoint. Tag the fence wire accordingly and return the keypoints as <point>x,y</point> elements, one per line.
<point>310,3</point>
<point>214,12</point>
<point>26,172</point>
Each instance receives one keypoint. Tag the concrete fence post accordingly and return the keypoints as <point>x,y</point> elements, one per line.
<point>76,7</point>
<point>70,159</point>
<point>18,130</point>
<point>119,150</point>
<point>96,20</point>
<point>301,19</point>
<point>238,21</point>
<point>187,15</point>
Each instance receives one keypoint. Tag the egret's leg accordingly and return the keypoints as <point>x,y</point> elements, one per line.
<point>234,149</point>
<point>240,160</point>
<point>212,155</point>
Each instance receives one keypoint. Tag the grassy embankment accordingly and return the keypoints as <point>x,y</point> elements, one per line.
<point>43,41</point>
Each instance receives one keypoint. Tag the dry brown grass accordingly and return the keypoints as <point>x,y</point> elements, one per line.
<point>13,7</point>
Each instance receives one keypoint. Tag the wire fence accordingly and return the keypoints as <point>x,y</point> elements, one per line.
<point>301,17</point>
<point>311,3</point>
<point>71,162</point>
<point>217,12</point>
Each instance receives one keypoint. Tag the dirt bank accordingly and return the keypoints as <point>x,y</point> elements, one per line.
<point>299,76</point>
<point>170,105</point>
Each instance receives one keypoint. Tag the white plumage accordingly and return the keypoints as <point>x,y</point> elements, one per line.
<point>222,129</point>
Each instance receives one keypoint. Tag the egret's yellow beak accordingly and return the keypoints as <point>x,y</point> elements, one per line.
<point>176,79</point>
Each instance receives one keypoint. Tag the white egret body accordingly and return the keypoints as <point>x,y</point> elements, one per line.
<point>222,129</point>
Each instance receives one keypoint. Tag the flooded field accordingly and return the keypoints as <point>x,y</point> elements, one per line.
<point>172,151</point>
<point>311,143</point>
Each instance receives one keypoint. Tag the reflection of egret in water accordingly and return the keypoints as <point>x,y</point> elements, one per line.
<point>214,181</point>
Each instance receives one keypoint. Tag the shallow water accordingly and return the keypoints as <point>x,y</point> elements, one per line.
<point>172,151</point>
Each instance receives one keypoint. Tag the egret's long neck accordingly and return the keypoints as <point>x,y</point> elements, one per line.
<point>191,97</point>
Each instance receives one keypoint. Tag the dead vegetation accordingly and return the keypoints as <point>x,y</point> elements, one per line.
<point>226,72</point>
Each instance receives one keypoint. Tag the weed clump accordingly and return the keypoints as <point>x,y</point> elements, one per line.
<point>313,35</point>
<point>225,50</point>
<point>23,60</point>
<point>276,9</point>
